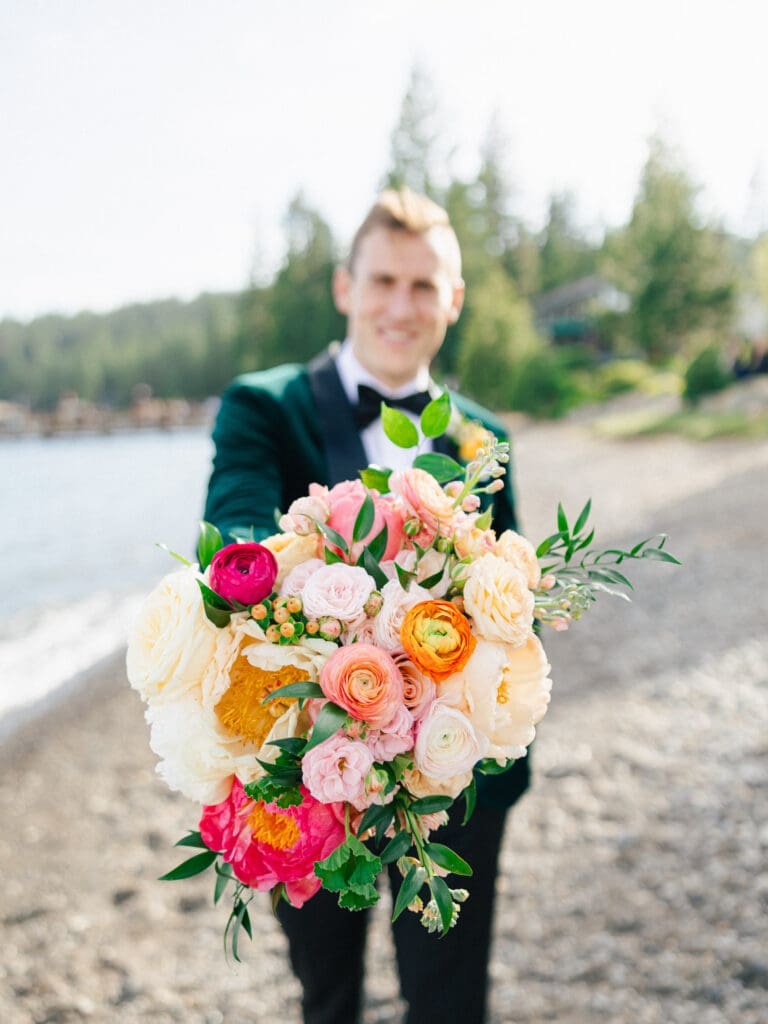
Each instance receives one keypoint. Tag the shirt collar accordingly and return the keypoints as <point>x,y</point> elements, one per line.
<point>353,373</point>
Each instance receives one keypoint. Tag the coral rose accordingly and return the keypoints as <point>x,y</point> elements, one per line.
<point>437,638</point>
<point>243,572</point>
<point>267,844</point>
<point>497,598</point>
<point>365,681</point>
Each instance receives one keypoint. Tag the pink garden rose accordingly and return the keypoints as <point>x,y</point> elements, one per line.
<point>336,769</point>
<point>293,584</point>
<point>418,690</point>
<point>346,499</point>
<point>337,591</point>
<point>243,572</point>
<point>267,844</point>
<point>304,513</point>
<point>397,738</point>
<point>365,681</point>
<point>425,500</point>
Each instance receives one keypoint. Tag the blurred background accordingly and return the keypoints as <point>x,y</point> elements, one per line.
<point>178,182</point>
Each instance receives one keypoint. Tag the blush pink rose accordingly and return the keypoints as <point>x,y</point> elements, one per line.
<point>346,499</point>
<point>304,513</point>
<point>397,738</point>
<point>419,691</point>
<point>425,500</point>
<point>243,572</point>
<point>365,681</point>
<point>293,584</point>
<point>335,770</point>
<point>338,591</point>
<point>267,844</point>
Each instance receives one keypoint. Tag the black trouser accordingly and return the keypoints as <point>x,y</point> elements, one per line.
<point>441,979</point>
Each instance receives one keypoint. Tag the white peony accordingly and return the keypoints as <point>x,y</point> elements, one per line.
<point>171,643</point>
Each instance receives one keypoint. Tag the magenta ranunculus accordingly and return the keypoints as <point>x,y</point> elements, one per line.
<point>267,844</point>
<point>243,572</point>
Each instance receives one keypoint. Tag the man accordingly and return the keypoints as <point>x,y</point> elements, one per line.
<point>278,431</point>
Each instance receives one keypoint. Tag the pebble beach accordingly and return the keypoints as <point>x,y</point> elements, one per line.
<point>634,881</point>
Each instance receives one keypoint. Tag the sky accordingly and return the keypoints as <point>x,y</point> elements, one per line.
<point>150,149</point>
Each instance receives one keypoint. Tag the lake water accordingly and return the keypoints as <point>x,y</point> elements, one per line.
<point>79,521</point>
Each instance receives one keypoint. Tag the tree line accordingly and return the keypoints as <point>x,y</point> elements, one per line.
<point>681,276</point>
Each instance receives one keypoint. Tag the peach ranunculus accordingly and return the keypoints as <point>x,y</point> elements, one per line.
<point>346,499</point>
<point>291,550</point>
<point>497,598</point>
<point>437,638</point>
<point>425,500</point>
<point>446,742</point>
<point>520,553</point>
<point>365,681</point>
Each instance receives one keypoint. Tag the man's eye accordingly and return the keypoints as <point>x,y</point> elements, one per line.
<point>425,286</point>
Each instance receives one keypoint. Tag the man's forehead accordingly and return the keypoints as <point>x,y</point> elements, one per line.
<point>408,254</point>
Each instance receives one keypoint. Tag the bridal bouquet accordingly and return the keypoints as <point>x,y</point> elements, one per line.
<point>327,693</point>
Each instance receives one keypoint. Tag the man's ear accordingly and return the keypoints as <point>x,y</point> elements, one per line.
<point>341,284</point>
<point>457,302</point>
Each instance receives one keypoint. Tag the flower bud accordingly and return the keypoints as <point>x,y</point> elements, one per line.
<point>547,582</point>
<point>559,625</point>
<point>287,629</point>
<point>494,487</point>
<point>294,605</point>
<point>312,627</point>
<point>412,527</point>
<point>330,628</point>
<point>471,503</point>
<point>453,489</point>
<point>273,633</point>
<point>258,612</point>
<point>281,615</point>
<point>373,605</point>
<point>458,600</point>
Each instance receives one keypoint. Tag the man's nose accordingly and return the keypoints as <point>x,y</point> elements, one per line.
<point>400,305</point>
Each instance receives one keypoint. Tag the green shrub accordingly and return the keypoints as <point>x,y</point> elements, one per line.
<point>705,374</point>
<point>542,386</point>
<point>620,376</point>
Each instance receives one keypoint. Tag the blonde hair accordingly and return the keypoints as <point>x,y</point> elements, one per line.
<point>402,209</point>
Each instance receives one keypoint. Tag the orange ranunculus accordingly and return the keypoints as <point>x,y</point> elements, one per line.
<point>437,638</point>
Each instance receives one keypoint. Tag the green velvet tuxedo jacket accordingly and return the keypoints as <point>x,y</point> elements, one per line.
<point>278,431</point>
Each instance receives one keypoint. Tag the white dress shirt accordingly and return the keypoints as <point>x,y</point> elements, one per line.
<point>378,448</point>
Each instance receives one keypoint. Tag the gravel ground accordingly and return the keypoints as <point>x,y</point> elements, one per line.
<point>634,882</point>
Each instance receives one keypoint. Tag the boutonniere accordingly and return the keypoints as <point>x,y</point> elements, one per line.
<point>468,435</point>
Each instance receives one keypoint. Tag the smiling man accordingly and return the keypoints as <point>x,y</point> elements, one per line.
<point>280,430</point>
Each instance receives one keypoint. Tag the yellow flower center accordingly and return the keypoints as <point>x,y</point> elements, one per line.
<point>279,831</point>
<point>502,694</point>
<point>241,711</point>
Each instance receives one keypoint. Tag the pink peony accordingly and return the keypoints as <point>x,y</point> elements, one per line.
<point>267,844</point>
<point>335,770</point>
<point>365,681</point>
<point>243,572</point>
<point>337,591</point>
<point>346,499</point>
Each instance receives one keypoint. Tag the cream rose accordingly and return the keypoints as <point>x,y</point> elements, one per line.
<point>340,591</point>
<point>291,550</point>
<point>419,785</point>
<point>446,742</point>
<point>497,598</point>
<point>520,553</point>
<point>171,642</point>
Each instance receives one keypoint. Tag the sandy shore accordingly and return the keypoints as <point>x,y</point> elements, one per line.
<point>634,886</point>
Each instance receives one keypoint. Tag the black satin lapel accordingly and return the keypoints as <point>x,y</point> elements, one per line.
<point>343,448</point>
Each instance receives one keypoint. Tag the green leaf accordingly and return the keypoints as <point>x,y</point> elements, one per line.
<point>434,579</point>
<point>431,804</point>
<point>446,858</point>
<point>442,467</point>
<point>396,847</point>
<point>547,544</point>
<point>470,800</point>
<point>209,542</point>
<point>409,890</point>
<point>223,877</point>
<point>191,867</point>
<point>398,428</point>
<point>378,545</point>
<point>331,557</point>
<point>241,920</point>
<point>353,900</point>
<point>291,745</point>
<point>351,867</point>
<point>405,578</point>
<point>275,895</point>
<point>485,519</point>
<point>329,721</point>
<point>335,538</point>
<point>303,689</point>
<point>490,766</point>
<point>217,616</point>
<point>660,556</point>
<point>375,815</point>
<point>377,478</point>
<point>562,522</point>
<point>581,522</point>
<point>174,554</point>
<point>364,519</point>
<point>436,416</point>
<point>442,896</point>
<point>193,839</point>
<point>374,569</point>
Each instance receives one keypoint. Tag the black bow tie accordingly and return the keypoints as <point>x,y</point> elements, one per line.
<point>368,408</point>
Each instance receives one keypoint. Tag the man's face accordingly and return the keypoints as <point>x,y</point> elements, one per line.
<point>399,299</point>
